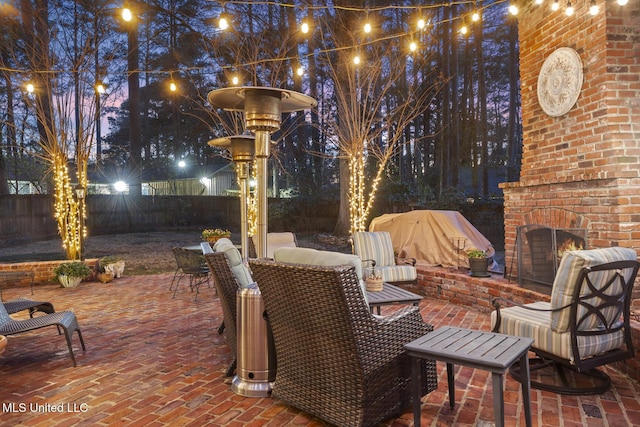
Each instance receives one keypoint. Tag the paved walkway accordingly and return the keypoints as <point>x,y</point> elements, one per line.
<point>156,361</point>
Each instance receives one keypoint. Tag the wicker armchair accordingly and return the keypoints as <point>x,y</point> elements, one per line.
<point>336,360</point>
<point>226,288</point>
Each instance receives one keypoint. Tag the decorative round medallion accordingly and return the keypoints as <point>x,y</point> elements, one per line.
<point>560,81</point>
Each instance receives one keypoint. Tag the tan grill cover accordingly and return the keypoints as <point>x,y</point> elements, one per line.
<point>433,237</point>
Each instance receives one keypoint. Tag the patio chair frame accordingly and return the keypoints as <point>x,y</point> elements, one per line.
<point>593,300</point>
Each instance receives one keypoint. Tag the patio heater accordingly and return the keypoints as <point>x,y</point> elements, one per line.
<point>242,149</point>
<point>262,108</point>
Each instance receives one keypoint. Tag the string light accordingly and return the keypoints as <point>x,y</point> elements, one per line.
<point>413,46</point>
<point>421,23</point>
<point>593,8</point>
<point>223,24</point>
<point>513,9</point>
<point>235,80</point>
<point>173,87</point>
<point>100,89</point>
<point>555,5</point>
<point>622,2</point>
<point>31,88</point>
<point>464,30</point>
<point>127,15</point>
<point>300,71</point>
<point>304,28</point>
<point>569,10</point>
<point>356,60</point>
<point>475,17</point>
<point>367,27</point>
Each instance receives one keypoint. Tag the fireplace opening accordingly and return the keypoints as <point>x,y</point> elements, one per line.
<point>540,250</point>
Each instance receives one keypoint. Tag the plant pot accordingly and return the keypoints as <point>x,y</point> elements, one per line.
<point>479,267</point>
<point>69,281</point>
<point>105,277</point>
<point>213,239</point>
<point>116,269</point>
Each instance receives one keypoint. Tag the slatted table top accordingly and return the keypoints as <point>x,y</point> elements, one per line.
<point>486,350</point>
<point>391,294</point>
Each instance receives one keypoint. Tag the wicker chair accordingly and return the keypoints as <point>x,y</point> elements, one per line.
<point>585,325</point>
<point>21,304</point>
<point>61,319</point>
<point>336,360</point>
<point>227,288</point>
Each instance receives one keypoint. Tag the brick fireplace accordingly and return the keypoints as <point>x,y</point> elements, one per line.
<point>580,169</point>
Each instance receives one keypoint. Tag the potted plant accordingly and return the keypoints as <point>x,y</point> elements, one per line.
<point>212,235</point>
<point>478,263</point>
<point>111,265</point>
<point>70,274</point>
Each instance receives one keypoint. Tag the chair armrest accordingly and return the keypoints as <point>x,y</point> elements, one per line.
<point>396,329</point>
<point>496,304</point>
<point>409,261</point>
<point>372,261</point>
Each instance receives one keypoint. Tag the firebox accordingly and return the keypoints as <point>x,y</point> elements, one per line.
<point>540,250</point>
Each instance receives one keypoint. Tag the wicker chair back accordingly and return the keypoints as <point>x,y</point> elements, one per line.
<point>336,360</point>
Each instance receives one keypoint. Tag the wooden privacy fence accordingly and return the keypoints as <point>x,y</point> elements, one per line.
<point>26,218</point>
<point>30,217</point>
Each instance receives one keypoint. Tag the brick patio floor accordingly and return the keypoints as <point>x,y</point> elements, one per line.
<point>156,361</point>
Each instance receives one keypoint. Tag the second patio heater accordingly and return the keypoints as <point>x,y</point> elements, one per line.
<point>242,149</point>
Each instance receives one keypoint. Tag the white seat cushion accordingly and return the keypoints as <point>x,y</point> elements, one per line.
<point>315,257</point>
<point>240,271</point>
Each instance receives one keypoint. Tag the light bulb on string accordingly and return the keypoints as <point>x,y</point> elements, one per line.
<point>413,46</point>
<point>127,15</point>
<point>464,30</point>
<point>538,2</point>
<point>593,8</point>
<point>622,2</point>
<point>475,17</point>
<point>367,27</point>
<point>421,23</point>
<point>356,59</point>
<point>223,24</point>
<point>30,88</point>
<point>300,71</point>
<point>304,27</point>
<point>100,89</point>
<point>513,9</point>
<point>569,10</point>
<point>235,80</point>
<point>555,5</point>
<point>173,87</point>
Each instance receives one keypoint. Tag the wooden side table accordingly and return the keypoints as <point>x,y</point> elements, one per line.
<point>477,349</point>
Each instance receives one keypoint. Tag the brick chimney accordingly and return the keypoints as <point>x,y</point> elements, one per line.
<point>585,162</point>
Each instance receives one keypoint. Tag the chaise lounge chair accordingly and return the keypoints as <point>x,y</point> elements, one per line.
<point>61,319</point>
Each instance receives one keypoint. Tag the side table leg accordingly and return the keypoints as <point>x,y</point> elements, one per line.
<point>498,399</point>
<point>526,387</point>
<point>451,384</point>
<point>416,387</point>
